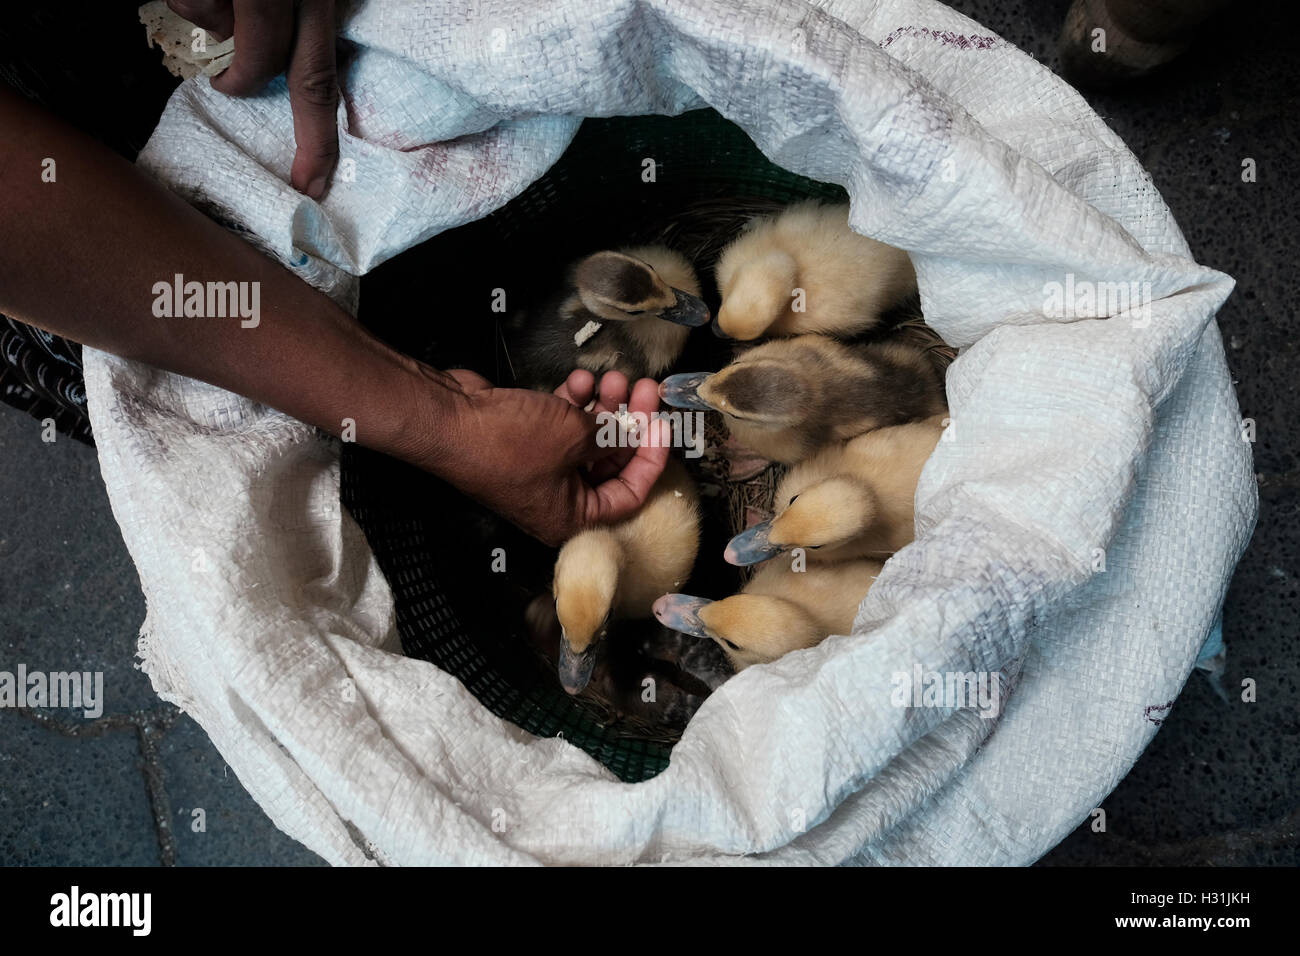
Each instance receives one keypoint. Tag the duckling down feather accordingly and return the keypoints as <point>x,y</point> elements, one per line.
<point>1116,436</point>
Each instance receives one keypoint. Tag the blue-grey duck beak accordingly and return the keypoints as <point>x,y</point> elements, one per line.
<point>575,666</point>
<point>681,613</point>
<point>688,310</point>
<point>751,546</point>
<point>682,390</point>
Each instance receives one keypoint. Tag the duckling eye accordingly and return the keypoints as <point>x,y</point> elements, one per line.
<point>730,644</point>
<point>635,311</point>
<point>794,499</point>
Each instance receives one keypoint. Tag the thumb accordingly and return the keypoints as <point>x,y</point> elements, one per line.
<point>467,380</point>
<point>623,494</point>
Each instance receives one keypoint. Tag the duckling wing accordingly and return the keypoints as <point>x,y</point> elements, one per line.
<point>540,344</point>
<point>659,542</point>
<point>545,346</point>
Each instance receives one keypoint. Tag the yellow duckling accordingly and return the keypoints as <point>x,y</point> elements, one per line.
<point>804,270</point>
<point>847,501</point>
<point>779,611</point>
<point>617,571</point>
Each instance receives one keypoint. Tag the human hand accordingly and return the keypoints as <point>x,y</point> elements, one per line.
<point>274,37</point>
<point>580,389</point>
<point>525,454</point>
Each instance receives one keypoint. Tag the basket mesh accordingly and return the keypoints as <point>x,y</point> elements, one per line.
<point>434,545</point>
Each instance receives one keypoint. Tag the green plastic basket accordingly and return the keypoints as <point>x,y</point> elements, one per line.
<point>433,544</point>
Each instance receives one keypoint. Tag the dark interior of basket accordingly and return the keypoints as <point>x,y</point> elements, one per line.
<point>435,546</point>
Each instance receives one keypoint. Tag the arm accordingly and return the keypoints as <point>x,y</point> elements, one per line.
<point>81,257</point>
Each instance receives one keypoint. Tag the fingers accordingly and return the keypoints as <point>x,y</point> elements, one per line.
<point>644,397</point>
<point>263,39</point>
<point>314,98</point>
<point>579,388</point>
<point>467,380</point>
<point>644,400</point>
<point>613,391</point>
<point>268,42</point>
<point>581,445</point>
<point>215,16</point>
<point>627,491</point>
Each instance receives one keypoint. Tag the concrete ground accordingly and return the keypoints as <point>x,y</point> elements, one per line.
<point>1218,784</point>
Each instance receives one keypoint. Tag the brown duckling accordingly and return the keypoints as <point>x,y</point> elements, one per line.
<point>786,398</point>
<point>629,310</point>
<point>647,678</point>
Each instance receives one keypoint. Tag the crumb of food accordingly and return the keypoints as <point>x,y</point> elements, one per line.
<point>185,53</point>
<point>677,493</point>
<point>587,331</point>
<point>628,422</point>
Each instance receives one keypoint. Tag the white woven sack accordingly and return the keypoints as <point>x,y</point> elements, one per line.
<point>1072,437</point>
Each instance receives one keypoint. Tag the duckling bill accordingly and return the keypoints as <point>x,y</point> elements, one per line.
<point>629,310</point>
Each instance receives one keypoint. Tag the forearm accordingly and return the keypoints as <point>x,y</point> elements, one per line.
<point>81,257</point>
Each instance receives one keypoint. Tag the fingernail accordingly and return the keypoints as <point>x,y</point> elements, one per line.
<point>316,188</point>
